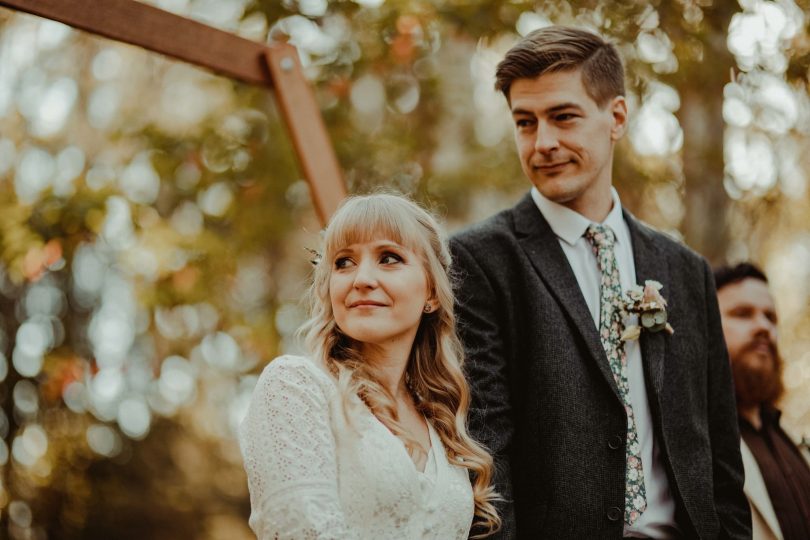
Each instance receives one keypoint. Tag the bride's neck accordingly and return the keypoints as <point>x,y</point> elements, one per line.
<point>389,369</point>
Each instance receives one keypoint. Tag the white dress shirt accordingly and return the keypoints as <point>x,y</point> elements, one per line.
<point>658,520</point>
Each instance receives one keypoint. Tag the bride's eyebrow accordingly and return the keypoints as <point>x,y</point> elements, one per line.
<point>343,251</point>
<point>390,245</point>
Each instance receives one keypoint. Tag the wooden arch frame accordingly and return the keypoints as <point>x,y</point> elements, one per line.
<point>274,66</point>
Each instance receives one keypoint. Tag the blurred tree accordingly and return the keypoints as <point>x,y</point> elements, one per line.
<point>153,222</point>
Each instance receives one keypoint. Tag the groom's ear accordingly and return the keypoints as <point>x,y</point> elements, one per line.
<point>618,110</point>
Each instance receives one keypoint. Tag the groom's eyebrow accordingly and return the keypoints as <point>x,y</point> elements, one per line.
<point>563,106</point>
<point>550,110</point>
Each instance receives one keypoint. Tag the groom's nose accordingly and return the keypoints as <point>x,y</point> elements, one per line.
<point>546,140</point>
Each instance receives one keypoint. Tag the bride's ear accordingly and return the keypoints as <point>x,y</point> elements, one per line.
<point>431,305</point>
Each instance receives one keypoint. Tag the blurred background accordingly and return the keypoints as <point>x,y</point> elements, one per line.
<point>154,224</point>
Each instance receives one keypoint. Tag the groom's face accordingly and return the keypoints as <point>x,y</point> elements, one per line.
<point>565,139</point>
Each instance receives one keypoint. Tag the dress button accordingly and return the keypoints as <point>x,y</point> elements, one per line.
<point>615,442</point>
<point>614,514</point>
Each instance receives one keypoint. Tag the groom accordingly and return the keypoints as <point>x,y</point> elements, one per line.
<point>593,436</point>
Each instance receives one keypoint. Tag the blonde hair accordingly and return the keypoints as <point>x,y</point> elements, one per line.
<point>434,371</point>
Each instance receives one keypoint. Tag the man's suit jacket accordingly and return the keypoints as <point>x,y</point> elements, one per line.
<point>544,399</point>
<point>765,525</point>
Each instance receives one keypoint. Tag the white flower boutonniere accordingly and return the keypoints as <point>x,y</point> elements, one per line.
<point>650,307</point>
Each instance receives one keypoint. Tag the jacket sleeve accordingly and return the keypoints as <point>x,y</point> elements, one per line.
<point>481,332</point>
<point>289,453</point>
<point>729,499</point>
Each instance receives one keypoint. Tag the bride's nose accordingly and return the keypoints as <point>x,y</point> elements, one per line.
<point>366,274</point>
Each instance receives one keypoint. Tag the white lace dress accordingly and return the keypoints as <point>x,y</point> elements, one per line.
<point>312,475</point>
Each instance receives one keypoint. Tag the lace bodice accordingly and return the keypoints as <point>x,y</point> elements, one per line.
<point>316,472</point>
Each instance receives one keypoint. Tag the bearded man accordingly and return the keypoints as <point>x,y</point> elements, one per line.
<point>777,474</point>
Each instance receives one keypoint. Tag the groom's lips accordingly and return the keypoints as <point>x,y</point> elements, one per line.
<point>552,167</point>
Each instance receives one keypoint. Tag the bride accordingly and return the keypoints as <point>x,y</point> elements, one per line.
<point>366,437</point>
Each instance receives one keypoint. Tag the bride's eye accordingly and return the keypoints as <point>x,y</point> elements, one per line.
<point>342,262</point>
<point>390,258</point>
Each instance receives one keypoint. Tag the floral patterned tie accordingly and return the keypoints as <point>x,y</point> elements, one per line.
<point>603,241</point>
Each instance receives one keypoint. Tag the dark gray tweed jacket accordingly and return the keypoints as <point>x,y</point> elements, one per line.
<point>544,399</point>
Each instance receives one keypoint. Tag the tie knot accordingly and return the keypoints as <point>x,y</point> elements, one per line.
<point>600,236</point>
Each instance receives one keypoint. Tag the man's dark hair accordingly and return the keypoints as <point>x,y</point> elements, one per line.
<point>562,48</point>
<point>727,275</point>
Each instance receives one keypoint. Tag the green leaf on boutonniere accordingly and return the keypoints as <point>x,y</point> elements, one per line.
<point>651,308</point>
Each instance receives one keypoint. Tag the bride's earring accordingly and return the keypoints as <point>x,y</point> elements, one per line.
<point>428,309</point>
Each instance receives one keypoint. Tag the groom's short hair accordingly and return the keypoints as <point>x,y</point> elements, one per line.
<point>562,48</point>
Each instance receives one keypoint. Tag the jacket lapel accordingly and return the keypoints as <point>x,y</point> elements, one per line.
<point>543,250</point>
<point>650,265</point>
<point>756,490</point>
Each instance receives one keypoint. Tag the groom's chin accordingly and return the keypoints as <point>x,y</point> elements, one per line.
<point>561,189</point>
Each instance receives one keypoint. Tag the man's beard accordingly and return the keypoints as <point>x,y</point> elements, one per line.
<point>754,385</point>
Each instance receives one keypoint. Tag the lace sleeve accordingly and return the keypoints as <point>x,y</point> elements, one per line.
<point>290,455</point>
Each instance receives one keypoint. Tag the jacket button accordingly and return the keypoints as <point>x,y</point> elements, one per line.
<point>614,514</point>
<point>615,442</point>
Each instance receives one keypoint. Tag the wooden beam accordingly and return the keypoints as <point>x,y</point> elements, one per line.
<point>310,139</point>
<point>274,66</point>
<point>159,31</point>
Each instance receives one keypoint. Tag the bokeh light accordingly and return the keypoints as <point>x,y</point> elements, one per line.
<point>153,218</point>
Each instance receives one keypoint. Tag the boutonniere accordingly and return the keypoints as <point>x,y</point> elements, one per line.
<point>651,308</point>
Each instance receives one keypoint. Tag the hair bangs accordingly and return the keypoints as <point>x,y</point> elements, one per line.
<point>366,219</point>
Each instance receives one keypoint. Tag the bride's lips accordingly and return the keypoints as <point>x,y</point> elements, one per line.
<point>366,304</point>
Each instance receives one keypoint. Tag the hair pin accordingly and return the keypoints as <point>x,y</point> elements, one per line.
<point>316,257</point>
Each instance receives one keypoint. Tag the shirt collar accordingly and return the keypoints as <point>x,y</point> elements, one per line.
<point>769,417</point>
<point>569,225</point>
<point>770,414</point>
